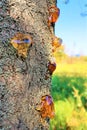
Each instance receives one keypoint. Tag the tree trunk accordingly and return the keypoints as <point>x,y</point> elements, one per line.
<point>22,81</point>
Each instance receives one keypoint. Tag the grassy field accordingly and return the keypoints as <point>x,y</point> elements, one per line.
<point>69,92</point>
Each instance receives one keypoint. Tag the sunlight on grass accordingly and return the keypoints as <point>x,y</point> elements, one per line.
<point>69,91</point>
<point>78,69</point>
<point>63,110</point>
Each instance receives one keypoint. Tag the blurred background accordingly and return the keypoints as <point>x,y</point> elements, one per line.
<point>69,80</point>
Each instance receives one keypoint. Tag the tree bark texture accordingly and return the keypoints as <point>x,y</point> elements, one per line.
<point>22,82</point>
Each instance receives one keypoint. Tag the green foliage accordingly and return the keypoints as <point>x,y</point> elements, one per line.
<point>63,86</point>
<point>84,99</point>
<point>63,112</point>
<point>70,98</point>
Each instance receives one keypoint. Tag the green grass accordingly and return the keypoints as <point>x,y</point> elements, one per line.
<point>69,92</point>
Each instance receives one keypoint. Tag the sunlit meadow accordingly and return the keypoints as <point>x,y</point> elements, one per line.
<point>69,92</point>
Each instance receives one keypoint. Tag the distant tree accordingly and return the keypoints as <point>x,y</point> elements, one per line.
<point>60,54</point>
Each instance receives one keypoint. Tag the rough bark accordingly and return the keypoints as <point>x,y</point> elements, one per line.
<point>22,82</point>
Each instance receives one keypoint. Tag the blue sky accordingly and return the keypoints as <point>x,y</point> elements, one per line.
<point>72,27</point>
